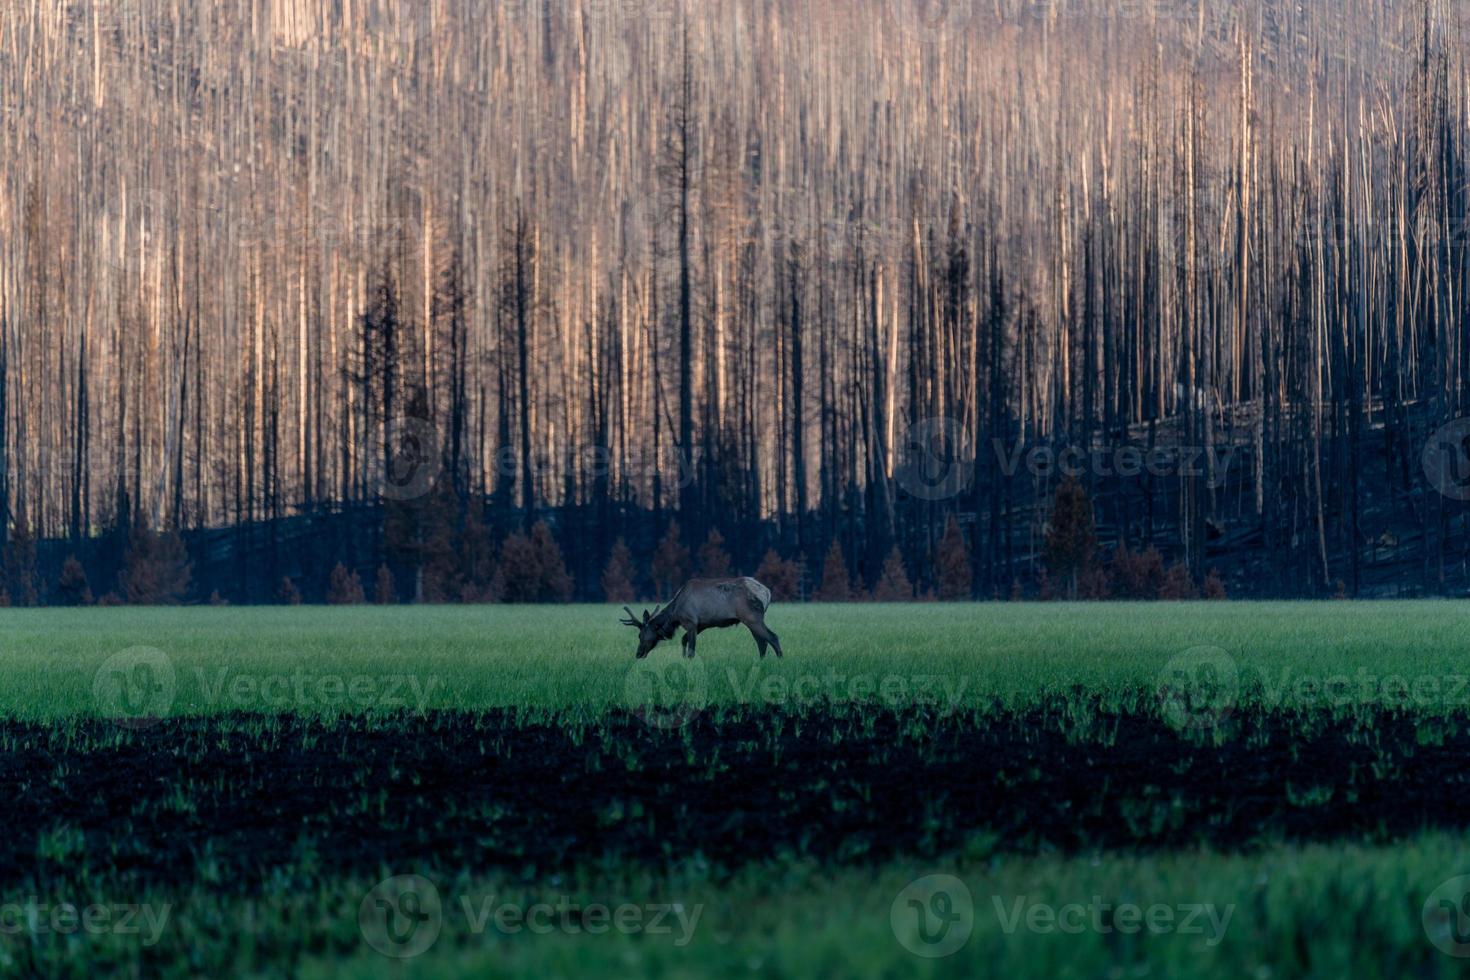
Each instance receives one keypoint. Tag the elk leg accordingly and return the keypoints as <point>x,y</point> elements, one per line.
<point>764,637</point>
<point>690,637</point>
<point>753,624</point>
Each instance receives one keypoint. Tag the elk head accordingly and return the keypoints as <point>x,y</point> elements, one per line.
<point>649,635</point>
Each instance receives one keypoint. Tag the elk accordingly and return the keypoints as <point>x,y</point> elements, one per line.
<point>704,604</point>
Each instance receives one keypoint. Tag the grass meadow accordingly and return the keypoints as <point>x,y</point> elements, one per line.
<point>1226,790</point>
<point>577,660</point>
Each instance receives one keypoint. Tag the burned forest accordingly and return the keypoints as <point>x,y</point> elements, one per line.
<point>491,301</point>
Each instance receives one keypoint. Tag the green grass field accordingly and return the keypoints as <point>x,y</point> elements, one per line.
<point>1315,911</point>
<point>578,659</point>
<point>1354,906</point>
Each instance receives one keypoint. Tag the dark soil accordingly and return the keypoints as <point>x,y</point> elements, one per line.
<point>239,798</point>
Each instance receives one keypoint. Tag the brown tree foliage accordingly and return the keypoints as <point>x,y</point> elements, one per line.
<point>1214,589</point>
<point>156,568</point>
<point>1137,575</point>
<point>1095,584</point>
<point>476,554</point>
<point>385,592</point>
<point>517,575</point>
<point>894,584</point>
<point>72,588</point>
<point>714,560</point>
<point>425,534</point>
<point>556,581</point>
<point>617,577</point>
<point>670,566</point>
<point>532,568</point>
<point>952,573</point>
<point>20,562</point>
<point>781,575</point>
<point>287,594</point>
<point>1178,586</point>
<point>1070,539</point>
<point>836,585</point>
<point>344,588</point>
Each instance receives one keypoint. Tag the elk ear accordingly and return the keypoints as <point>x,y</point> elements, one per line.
<point>646,616</point>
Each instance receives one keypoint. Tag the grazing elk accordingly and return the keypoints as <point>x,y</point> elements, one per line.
<point>707,604</point>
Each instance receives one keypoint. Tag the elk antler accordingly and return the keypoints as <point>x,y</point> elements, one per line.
<point>632,620</point>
